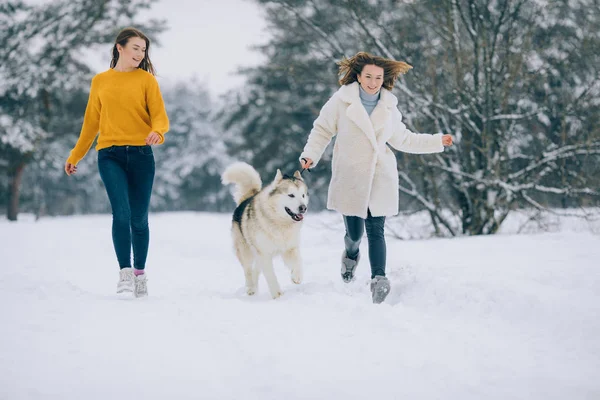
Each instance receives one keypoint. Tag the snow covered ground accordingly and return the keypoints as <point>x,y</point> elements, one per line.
<point>502,317</point>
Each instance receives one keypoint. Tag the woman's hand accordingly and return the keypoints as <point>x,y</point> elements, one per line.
<point>153,138</point>
<point>70,169</point>
<point>306,163</point>
<point>447,140</point>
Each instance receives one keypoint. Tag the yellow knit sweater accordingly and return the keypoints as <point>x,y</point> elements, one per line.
<point>123,108</point>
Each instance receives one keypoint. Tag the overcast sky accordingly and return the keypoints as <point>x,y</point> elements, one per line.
<point>206,39</point>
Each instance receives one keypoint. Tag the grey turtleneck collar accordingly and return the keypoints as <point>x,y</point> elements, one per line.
<point>369,101</point>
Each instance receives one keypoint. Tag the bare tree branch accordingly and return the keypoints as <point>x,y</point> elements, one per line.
<point>428,205</point>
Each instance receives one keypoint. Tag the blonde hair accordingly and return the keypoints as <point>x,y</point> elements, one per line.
<point>351,67</point>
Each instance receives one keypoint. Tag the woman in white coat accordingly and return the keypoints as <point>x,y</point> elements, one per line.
<point>363,114</point>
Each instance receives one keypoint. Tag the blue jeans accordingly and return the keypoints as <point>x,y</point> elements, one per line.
<point>355,228</point>
<point>128,174</point>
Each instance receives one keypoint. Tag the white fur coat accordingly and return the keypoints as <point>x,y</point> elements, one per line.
<point>364,169</point>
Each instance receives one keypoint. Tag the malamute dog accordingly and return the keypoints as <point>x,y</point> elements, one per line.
<point>266,223</point>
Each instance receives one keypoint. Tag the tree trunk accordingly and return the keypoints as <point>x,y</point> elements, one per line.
<point>15,189</point>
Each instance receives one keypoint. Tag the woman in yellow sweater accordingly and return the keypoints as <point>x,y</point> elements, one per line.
<point>126,110</point>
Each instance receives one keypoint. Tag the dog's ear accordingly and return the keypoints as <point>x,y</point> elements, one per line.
<point>298,176</point>
<point>278,176</point>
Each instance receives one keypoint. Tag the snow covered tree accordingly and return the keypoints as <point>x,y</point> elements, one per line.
<point>45,188</point>
<point>188,164</point>
<point>268,121</point>
<point>480,83</point>
<point>192,158</point>
<point>567,84</point>
<point>41,55</point>
<point>515,82</point>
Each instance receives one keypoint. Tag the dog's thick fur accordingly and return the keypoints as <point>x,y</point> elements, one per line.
<point>266,223</point>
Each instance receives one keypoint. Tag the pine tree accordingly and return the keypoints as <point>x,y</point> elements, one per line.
<point>188,164</point>
<point>193,156</point>
<point>495,74</point>
<point>40,56</point>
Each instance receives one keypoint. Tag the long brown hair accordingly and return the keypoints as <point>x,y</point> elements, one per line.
<point>351,67</point>
<point>122,39</point>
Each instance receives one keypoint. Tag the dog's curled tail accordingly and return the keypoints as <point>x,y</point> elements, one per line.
<point>245,178</point>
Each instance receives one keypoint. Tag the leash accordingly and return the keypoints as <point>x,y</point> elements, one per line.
<point>304,169</point>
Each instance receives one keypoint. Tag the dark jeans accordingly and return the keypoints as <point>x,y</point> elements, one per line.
<point>355,227</point>
<point>128,174</point>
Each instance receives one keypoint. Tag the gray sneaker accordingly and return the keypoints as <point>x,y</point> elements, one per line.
<point>125,283</point>
<point>349,267</point>
<point>380,288</point>
<point>141,287</point>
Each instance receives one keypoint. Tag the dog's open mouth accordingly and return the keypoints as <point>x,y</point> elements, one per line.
<point>295,217</point>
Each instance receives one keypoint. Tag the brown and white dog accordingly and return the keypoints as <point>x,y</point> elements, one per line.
<point>266,223</point>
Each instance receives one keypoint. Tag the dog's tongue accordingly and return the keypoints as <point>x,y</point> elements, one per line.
<point>299,217</point>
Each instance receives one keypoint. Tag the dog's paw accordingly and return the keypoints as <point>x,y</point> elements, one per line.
<point>297,275</point>
<point>250,291</point>
<point>277,294</point>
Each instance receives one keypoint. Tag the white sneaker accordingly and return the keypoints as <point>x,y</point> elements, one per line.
<point>141,288</point>
<point>125,283</point>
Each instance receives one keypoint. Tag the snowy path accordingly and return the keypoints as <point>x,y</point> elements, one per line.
<point>504,317</point>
